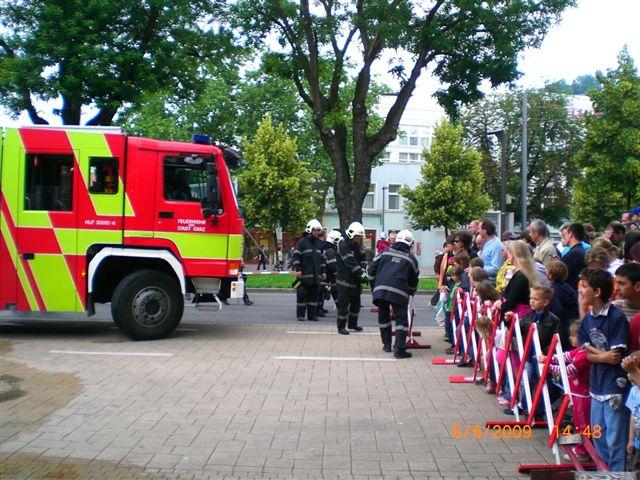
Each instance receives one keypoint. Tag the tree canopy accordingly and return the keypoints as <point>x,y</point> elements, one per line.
<point>275,187</point>
<point>609,160</point>
<point>104,54</point>
<point>553,138</point>
<point>450,192</point>
<point>463,43</point>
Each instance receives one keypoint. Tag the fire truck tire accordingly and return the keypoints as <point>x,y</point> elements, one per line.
<point>147,305</point>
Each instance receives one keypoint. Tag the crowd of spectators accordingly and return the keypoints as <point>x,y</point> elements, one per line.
<point>586,288</point>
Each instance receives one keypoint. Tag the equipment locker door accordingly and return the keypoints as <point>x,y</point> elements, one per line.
<point>47,227</point>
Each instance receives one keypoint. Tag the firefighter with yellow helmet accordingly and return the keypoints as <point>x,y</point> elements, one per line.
<point>351,275</point>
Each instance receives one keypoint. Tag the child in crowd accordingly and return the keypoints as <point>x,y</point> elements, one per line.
<point>484,329</point>
<point>628,283</point>
<point>547,324</point>
<point>456,277</point>
<point>604,334</point>
<point>633,404</point>
<point>564,303</point>
<point>478,274</point>
<point>486,291</point>
<point>476,262</point>
<point>462,259</point>
<point>578,369</point>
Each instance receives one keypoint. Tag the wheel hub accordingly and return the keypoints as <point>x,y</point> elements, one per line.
<point>150,306</point>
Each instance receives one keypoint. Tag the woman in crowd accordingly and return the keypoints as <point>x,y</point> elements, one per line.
<point>516,293</point>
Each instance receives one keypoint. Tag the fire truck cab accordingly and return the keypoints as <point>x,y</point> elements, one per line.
<point>91,215</point>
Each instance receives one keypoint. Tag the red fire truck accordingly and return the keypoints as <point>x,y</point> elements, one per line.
<point>91,215</point>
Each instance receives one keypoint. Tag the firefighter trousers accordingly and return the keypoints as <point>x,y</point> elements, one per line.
<point>307,301</point>
<point>348,304</point>
<point>384,322</point>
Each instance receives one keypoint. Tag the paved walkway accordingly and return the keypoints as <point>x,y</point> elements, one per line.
<point>217,402</point>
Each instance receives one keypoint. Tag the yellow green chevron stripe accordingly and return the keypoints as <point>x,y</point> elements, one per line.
<point>22,275</point>
<point>200,245</point>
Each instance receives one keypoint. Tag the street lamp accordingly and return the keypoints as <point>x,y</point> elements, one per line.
<point>384,189</point>
<point>500,134</point>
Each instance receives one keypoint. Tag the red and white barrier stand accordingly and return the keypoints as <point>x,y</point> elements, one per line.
<point>412,342</point>
<point>471,340</point>
<point>559,436</point>
<point>457,304</point>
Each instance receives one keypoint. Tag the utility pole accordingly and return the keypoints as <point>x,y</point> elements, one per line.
<point>384,189</point>
<point>500,134</point>
<point>523,194</point>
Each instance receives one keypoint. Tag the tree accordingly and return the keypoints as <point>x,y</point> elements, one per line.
<point>275,187</point>
<point>610,157</point>
<point>553,138</point>
<point>103,54</point>
<point>450,192</point>
<point>463,43</point>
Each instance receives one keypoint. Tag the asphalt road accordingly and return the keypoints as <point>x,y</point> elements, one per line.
<point>269,308</point>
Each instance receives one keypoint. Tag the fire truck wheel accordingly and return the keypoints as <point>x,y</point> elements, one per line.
<point>147,305</point>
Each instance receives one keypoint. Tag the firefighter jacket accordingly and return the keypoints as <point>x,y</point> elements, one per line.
<point>351,265</point>
<point>308,259</point>
<point>331,260</point>
<point>393,274</point>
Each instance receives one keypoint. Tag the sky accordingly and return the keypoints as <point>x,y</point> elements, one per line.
<point>588,38</point>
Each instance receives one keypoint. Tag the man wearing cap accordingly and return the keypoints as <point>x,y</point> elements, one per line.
<point>382,244</point>
<point>351,275</point>
<point>309,264</point>
<point>394,278</point>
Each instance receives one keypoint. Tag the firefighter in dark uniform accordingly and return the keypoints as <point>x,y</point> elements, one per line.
<point>323,285</point>
<point>393,275</point>
<point>350,277</point>
<point>308,263</point>
<point>331,260</point>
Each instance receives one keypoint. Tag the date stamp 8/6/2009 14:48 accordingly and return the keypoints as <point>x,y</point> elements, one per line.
<point>515,432</point>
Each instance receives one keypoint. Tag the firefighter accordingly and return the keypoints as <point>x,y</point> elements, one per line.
<point>323,285</point>
<point>330,255</point>
<point>309,265</point>
<point>393,276</point>
<point>351,275</point>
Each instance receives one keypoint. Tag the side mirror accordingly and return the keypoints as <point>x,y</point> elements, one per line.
<point>232,158</point>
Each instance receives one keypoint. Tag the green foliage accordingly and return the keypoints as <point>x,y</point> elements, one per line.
<point>104,53</point>
<point>275,187</point>
<point>580,85</point>
<point>450,193</point>
<point>553,137</point>
<point>610,158</point>
<point>463,43</point>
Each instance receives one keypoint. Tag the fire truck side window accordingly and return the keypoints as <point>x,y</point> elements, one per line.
<point>103,175</point>
<point>183,181</point>
<point>49,182</point>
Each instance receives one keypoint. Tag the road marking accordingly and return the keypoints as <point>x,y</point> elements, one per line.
<point>124,354</point>
<point>338,359</point>
<point>293,332</point>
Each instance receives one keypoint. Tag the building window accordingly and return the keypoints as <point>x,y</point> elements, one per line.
<point>103,175</point>
<point>49,182</point>
<point>370,199</point>
<point>393,202</point>
<point>404,140</point>
<point>385,156</point>
<point>409,157</point>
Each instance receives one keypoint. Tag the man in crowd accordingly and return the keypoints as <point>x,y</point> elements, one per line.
<point>539,234</point>
<point>394,278</point>
<point>474,230</point>
<point>574,259</point>
<point>351,276</point>
<point>392,237</point>
<point>308,262</point>
<point>615,233</point>
<point>492,250</point>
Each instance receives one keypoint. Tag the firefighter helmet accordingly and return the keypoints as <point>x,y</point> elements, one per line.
<point>405,236</point>
<point>334,237</point>
<point>313,225</point>
<point>354,229</point>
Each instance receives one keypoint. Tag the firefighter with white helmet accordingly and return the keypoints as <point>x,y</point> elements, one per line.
<point>309,264</point>
<point>394,278</point>
<point>330,256</point>
<point>351,275</point>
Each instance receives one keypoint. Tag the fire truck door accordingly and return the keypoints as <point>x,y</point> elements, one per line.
<point>47,229</point>
<point>180,198</point>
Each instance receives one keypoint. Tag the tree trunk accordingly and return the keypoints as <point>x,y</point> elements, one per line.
<point>71,110</point>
